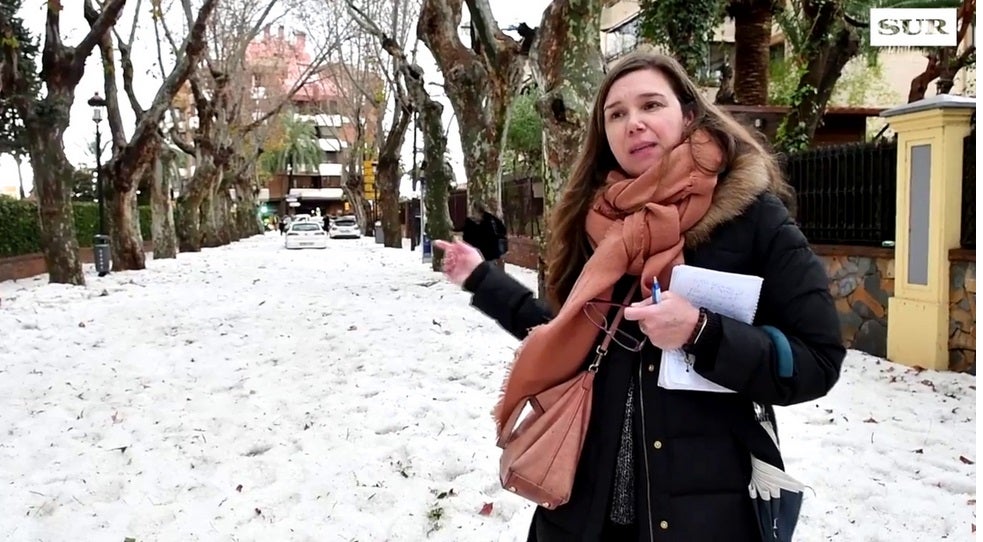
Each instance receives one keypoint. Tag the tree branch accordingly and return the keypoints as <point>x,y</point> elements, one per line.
<point>100,27</point>
<point>239,53</point>
<point>486,29</point>
<point>194,48</point>
<point>442,27</point>
<point>126,61</point>
<point>109,79</point>
<point>181,143</point>
<point>133,29</point>
<point>316,65</point>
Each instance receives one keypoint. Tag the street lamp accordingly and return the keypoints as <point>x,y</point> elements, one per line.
<point>100,245</point>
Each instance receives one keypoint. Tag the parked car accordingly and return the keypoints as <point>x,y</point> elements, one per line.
<point>305,234</point>
<point>344,227</point>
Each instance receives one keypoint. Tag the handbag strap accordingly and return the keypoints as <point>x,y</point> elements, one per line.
<point>602,349</point>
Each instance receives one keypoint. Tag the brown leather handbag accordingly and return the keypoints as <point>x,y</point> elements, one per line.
<point>539,458</point>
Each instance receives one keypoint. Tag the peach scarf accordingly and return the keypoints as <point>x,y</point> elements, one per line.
<point>637,228</point>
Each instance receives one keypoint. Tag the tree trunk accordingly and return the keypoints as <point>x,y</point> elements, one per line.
<point>124,230</point>
<point>189,218</point>
<point>387,187</point>
<point>482,140</point>
<point>161,212</point>
<point>752,43</point>
<point>829,56</point>
<point>387,176</point>
<point>360,206</point>
<point>210,219</point>
<point>188,221</point>
<point>919,85</point>
<point>566,62</point>
<point>353,185</point>
<point>20,175</point>
<point>247,211</point>
<point>53,186</point>
<point>437,175</point>
<point>224,216</point>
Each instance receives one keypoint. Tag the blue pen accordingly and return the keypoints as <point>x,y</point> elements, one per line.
<point>656,292</point>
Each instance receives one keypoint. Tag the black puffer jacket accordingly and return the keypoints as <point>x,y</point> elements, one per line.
<point>692,467</point>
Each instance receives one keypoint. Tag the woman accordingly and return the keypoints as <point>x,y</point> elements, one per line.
<point>664,177</point>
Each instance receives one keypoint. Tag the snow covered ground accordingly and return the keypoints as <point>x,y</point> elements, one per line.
<point>250,393</point>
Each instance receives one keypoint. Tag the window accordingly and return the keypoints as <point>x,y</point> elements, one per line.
<point>777,52</point>
<point>719,53</point>
<point>621,40</point>
<point>305,226</point>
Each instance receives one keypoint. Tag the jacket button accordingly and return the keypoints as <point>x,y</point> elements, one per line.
<point>651,367</point>
<point>657,445</point>
<point>664,525</point>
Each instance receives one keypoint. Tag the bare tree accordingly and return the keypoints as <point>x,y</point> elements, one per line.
<point>229,115</point>
<point>396,18</point>
<point>357,73</point>
<point>134,159</point>
<point>45,121</point>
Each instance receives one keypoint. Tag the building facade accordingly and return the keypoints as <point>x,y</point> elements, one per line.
<point>275,65</point>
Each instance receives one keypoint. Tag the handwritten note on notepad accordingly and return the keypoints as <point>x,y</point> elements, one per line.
<point>728,294</point>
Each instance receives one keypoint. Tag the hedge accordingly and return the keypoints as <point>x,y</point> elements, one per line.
<point>20,233</point>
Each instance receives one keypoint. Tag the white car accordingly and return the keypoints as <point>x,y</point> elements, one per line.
<point>305,235</point>
<point>345,226</point>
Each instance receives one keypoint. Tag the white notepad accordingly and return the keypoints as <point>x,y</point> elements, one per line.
<point>728,294</point>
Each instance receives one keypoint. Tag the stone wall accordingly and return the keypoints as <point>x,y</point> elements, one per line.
<point>861,280</point>
<point>962,312</point>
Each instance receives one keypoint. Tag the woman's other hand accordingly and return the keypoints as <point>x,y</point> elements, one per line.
<point>669,323</point>
<point>460,260</point>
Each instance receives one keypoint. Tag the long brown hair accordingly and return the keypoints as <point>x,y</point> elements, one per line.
<point>569,247</point>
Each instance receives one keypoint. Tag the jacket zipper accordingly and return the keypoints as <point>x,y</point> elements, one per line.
<point>645,453</point>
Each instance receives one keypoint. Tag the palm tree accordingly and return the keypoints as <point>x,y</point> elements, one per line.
<point>752,48</point>
<point>293,146</point>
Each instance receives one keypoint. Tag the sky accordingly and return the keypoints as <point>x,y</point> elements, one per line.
<point>81,131</point>
<point>346,394</point>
